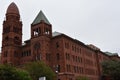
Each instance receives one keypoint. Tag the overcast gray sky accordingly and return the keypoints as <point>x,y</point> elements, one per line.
<point>90,21</point>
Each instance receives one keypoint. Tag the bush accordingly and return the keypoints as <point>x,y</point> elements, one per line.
<point>8,72</point>
<point>39,69</point>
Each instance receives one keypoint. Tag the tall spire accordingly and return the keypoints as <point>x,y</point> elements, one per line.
<point>40,17</point>
<point>12,9</point>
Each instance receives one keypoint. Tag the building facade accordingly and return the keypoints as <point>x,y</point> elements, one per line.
<point>71,57</point>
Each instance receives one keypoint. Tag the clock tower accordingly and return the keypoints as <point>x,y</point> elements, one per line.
<point>12,36</point>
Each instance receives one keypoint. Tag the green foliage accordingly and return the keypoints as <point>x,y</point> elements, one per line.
<point>112,69</point>
<point>39,69</point>
<point>23,75</point>
<point>81,78</point>
<point>8,72</point>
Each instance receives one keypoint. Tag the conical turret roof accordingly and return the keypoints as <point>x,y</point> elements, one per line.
<point>40,17</point>
<point>12,9</point>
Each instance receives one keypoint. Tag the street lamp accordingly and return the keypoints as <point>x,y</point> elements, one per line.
<point>56,70</point>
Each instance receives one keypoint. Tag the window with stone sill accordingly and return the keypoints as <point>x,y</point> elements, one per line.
<point>5,54</point>
<point>66,45</point>
<point>68,67</point>
<point>58,56</point>
<point>67,56</point>
<point>16,54</point>
<point>6,30</point>
<point>48,56</point>
<point>73,58</point>
<point>57,44</point>
<point>26,53</point>
<point>72,48</point>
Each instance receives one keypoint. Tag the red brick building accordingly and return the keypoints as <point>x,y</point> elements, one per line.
<point>71,57</point>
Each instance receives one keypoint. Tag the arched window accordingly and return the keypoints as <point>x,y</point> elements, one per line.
<point>47,31</point>
<point>37,47</point>
<point>17,40</point>
<point>37,31</point>
<point>6,29</point>
<point>16,30</point>
<point>6,38</point>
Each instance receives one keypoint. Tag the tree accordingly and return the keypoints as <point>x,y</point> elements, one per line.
<point>23,75</point>
<point>8,72</point>
<point>111,68</point>
<point>82,78</point>
<point>39,69</point>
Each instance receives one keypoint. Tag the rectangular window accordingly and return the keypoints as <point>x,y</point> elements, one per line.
<point>57,45</point>
<point>73,48</point>
<point>48,56</point>
<point>75,69</point>
<point>58,56</point>
<point>16,54</point>
<point>67,45</point>
<point>26,53</point>
<point>5,54</point>
<point>68,68</point>
<point>73,58</point>
<point>67,56</point>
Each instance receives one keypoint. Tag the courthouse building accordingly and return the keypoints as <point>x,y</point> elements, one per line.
<point>71,57</point>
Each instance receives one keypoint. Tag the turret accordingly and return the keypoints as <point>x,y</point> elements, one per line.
<point>12,35</point>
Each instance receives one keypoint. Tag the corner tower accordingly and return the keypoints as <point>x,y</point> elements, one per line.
<point>41,34</point>
<point>41,26</point>
<point>11,36</point>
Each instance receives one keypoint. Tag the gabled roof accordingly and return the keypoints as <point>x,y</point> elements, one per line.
<point>39,18</point>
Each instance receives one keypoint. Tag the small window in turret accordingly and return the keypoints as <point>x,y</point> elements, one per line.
<point>37,31</point>
<point>6,38</point>
<point>16,30</point>
<point>6,30</point>
<point>47,31</point>
<point>17,40</point>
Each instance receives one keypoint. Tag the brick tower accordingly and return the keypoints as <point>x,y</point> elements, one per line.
<point>11,36</point>
<point>41,34</point>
